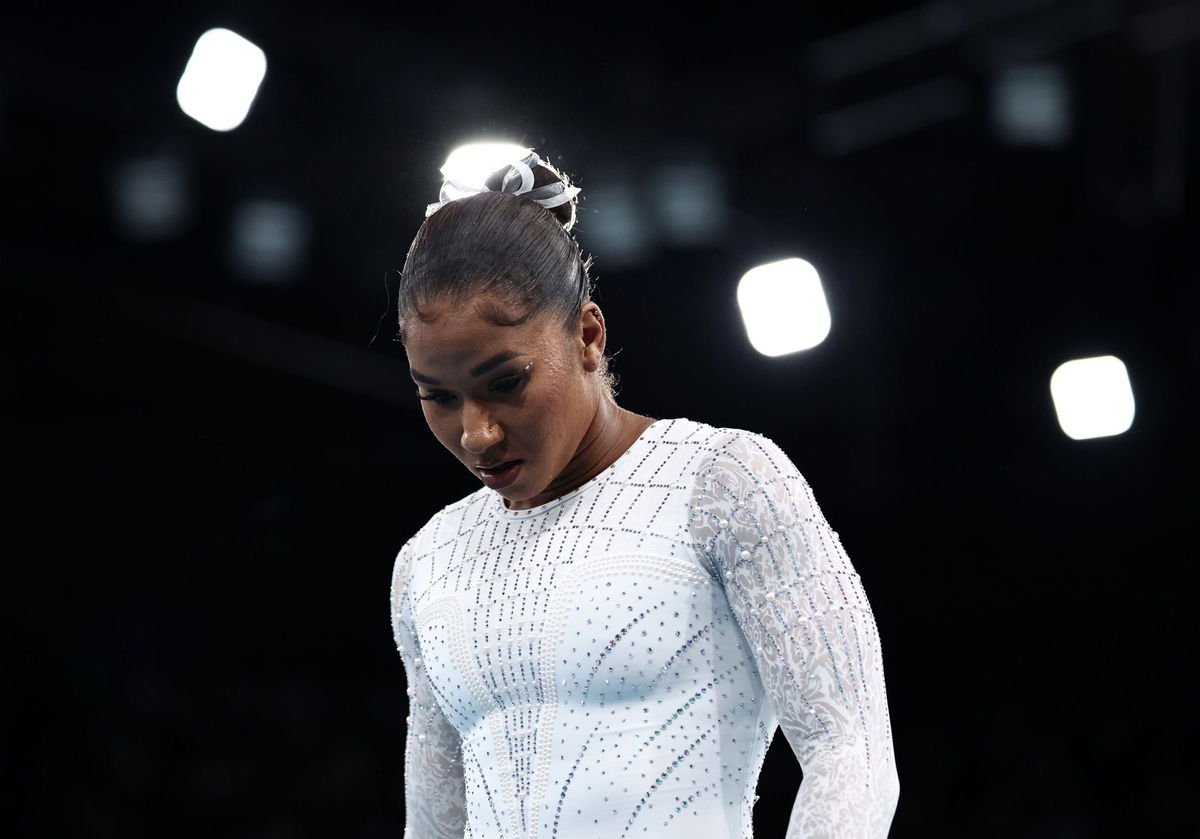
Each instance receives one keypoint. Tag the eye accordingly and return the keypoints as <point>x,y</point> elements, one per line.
<point>508,384</point>
<point>437,397</point>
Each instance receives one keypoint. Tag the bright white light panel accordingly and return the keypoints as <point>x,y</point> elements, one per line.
<point>783,307</point>
<point>221,79</point>
<point>1092,397</point>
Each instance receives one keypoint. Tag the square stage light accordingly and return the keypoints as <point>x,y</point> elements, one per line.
<point>1092,397</point>
<point>221,79</point>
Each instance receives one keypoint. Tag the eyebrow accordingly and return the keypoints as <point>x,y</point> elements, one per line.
<point>476,371</point>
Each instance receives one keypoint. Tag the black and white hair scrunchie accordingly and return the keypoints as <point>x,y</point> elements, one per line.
<point>518,179</point>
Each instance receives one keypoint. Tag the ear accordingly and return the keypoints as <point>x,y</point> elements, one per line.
<point>591,335</point>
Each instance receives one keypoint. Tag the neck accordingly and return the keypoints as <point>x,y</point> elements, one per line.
<point>609,435</point>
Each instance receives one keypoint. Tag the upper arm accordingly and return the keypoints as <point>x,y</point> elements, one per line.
<point>434,794</point>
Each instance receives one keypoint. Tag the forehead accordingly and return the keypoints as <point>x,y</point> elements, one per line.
<point>448,334</point>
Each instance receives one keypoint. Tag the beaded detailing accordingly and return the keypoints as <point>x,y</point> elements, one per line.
<point>434,795</point>
<point>803,610</point>
<point>616,663</point>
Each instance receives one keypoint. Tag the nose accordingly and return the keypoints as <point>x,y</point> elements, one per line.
<point>480,429</point>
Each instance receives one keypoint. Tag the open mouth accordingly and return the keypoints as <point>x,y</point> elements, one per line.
<point>500,475</point>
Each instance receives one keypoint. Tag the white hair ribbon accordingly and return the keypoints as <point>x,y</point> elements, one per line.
<point>519,169</point>
<point>518,179</point>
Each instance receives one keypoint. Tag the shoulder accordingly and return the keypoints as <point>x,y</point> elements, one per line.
<point>746,454</point>
<point>445,524</point>
<point>715,452</point>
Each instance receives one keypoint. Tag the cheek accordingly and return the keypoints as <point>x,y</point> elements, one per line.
<point>442,424</point>
<point>555,422</point>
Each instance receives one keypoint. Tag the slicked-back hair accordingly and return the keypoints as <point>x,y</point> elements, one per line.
<point>500,243</point>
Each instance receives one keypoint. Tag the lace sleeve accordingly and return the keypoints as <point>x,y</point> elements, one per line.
<point>802,608</point>
<point>434,796</point>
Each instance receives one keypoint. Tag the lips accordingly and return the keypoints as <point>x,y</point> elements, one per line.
<point>499,475</point>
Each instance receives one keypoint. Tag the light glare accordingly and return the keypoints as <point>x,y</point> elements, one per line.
<point>618,227</point>
<point>783,306</point>
<point>1092,397</point>
<point>691,203</point>
<point>221,79</point>
<point>270,239</point>
<point>1031,105</point>
<point>470,165</point>
<point>150,197</point>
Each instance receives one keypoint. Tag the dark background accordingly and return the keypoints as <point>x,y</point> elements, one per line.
<point>210,473</point>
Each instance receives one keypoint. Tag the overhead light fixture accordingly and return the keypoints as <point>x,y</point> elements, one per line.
<point>269,240</point>
<point>1092,397</point>
<point>221,79</point>
<point>783,307</point>
<point>471,164</point>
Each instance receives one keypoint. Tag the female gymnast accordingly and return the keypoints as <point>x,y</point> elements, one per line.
<point>601,640</point>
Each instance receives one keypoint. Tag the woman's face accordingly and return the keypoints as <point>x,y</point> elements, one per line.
<point>513,403</point>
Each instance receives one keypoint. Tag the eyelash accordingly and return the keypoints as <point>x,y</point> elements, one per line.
<point>505,387</point>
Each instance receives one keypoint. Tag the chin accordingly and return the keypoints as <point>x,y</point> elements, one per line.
<point>516,494</point>
<point>519,493</point>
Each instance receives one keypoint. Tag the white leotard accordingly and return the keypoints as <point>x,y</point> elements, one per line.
<point>614,663</point>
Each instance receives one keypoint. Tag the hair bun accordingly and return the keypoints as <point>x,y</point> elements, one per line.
<point>550,188</point>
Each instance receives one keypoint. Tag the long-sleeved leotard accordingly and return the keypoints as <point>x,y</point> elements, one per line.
<point>615,663</point>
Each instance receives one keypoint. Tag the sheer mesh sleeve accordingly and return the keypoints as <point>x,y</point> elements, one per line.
<point>434,796</point>
<point>802,608</point>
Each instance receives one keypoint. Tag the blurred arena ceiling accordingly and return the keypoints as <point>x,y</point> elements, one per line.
<point>861,135</point>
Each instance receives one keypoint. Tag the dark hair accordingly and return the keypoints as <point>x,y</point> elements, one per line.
<point>499,242</point>
<point>505,243</point>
